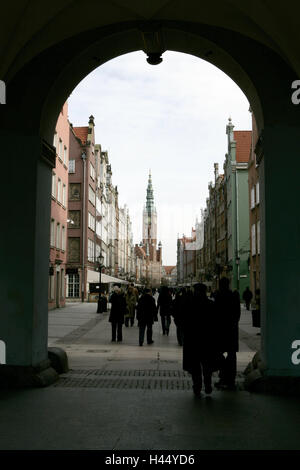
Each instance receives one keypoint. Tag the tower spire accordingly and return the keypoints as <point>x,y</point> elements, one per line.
<point>150,198</point>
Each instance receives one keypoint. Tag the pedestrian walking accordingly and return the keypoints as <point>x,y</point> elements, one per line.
<point>247,297</point>
<point>178,309</point>
<point>228,311</point>
<point>201,351</point>
<point>131,301</point>
<point>146,316</point>
<point>164,304</point>
<point>256,310</point>
<point>117,313</point>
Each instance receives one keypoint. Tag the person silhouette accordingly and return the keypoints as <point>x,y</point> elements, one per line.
<point>228,311</point>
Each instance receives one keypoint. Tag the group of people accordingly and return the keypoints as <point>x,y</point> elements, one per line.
<point>125,307</point>
<point>206,327</point>
<point>122,309</point>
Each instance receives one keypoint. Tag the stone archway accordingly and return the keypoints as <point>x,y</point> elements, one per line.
<point>36,90</point>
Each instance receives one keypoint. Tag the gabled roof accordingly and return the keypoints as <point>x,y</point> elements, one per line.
<point>139,251</point>
<point>243,145</point>
<point>81,133</point>
<point>169,269</point>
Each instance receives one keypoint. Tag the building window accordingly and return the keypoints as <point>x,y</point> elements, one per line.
<point>64,195</point>
<point>53,190</point>
<point>74,191</point>
<point>60,153</point>
<point>62,285</point>
<point>253,240</point>
<point>59,190</point>
<point>65,155</point>
<point>74,216</point>
<point>63,238</point>
<point>91,222</point>
<point>91,246</point>
<point>258,236</point>
<point>257,193</point>
<point>98,229</point>
<point>71,166</point>
<point>52,233</point>
<point>58,236</point>
<point>252,197</point>
<point>55,140</point>
<point>98,251</point>
<point>73,249</point>
<point>92,172</point>
<point>98,204</point>
<point>91,195</point>
<point>73,285</point>
<point>51,287</point>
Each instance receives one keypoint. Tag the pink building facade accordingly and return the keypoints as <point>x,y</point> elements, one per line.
<point>59,216</point>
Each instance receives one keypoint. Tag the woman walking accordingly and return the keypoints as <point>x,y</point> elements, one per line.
<point>131,301</point>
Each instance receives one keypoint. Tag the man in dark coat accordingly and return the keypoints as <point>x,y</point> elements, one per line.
<point>178,309</point>
<point>117,313</point>
<point>200,343</point>
<point>146,315</point>
<point>228,310</point>
<point>247,296</point>
<point>164,304</point>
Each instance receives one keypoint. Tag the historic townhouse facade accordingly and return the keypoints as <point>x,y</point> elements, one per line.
<point>254,213</point>
<point>94,217</point>
<point>187,259</point>
<point>223,246</point>
<point>237,200</point>
<point>83,241</point>
<point>169,276</point>
<point>59,214</point>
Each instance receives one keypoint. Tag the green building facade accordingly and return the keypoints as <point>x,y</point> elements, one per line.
<point>238,233</point>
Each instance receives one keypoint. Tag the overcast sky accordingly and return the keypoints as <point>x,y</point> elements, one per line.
<point>170,118</point>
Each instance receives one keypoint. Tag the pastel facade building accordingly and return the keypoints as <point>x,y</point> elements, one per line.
<point>254,212</point>
<point>237,201</point>
<point>169,275</point>
<point>186,259</point>
<point>59,213</point>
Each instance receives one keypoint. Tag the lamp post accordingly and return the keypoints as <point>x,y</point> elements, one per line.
<point>100,262</point>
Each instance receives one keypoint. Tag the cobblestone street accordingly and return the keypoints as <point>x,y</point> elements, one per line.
<point>119,396</point>
<point>85,336</point>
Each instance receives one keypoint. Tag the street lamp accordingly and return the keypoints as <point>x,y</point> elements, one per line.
<point>100,259</point>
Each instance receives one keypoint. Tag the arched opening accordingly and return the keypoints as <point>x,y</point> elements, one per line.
<point>37,92</point>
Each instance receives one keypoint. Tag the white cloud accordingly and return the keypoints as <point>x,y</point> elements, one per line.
<point>170,118</point>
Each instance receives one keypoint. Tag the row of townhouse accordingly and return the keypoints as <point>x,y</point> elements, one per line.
<point>226,242</point>
<point>86,219</point>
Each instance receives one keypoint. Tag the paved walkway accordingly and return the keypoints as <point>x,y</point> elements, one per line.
<point>120,396</point>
